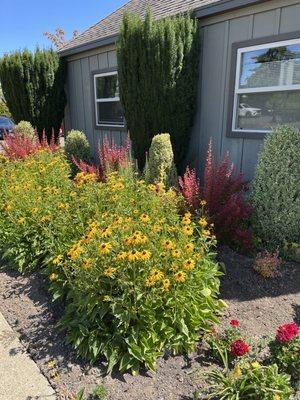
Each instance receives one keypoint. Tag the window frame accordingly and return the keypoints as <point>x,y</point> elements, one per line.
<point>237,51</point>
<point>99,74</point>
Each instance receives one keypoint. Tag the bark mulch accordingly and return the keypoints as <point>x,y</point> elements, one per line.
<point>260,305</point>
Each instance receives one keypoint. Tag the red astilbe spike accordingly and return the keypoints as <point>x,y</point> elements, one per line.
<point>190,188</point>
<point>89,169</point>
<point>113,157</point>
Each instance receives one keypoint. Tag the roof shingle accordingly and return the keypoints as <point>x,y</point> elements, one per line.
<point>110,25</point>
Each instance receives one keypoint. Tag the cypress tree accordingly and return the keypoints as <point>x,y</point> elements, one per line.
<point>158,74</point>
<point>33,87</point>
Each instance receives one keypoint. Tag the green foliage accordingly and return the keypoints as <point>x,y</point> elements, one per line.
<point>100,392</point>
<point>252,382</point>
<point>276,189</point>
<point>4,111</point>
<point>287,356</point>
<point>158,74</point>
<point>77,146</point>
<point>24,128</point>
<point>33,87</point>
<point>160,165</point>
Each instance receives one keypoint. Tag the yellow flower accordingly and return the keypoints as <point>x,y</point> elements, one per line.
<point>187,230</point>
<point>189,247</point>
<point>150,281</point>
<point>145,255</point>
<point>255,364</point>
<point>237,372</point>
<point>87,263</point>
<point>106,298</point>
<point>203,222</point>
<point>21,220</point>
<point>166,285</point>
<point>276,397</point>
<point>75,252</point>
<point>106,232</point>
<point>133,255</point>
<point>187,215</point>
<point>53,277</point>
<point>186,221</point>
<point>109,271</point>
<point>156,228</point>
<point>180,276</point>
<point>51,364</point>
<point>174,267</point>
<point>57,260</point>
<point>206,232</point>
<point>157,274</point>
<point>105,248</point>
<point>176,253</point>
<point>145,218</point>
<point>73,194</point>
<point>168,244</point>
<point>63,206</point>
<point>189,264</point>
<point>203,203</point>
<point>122,255</point>
<point>45,218</point>
<point>198,256</point>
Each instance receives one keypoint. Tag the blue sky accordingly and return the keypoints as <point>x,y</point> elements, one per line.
<point>23,22</point>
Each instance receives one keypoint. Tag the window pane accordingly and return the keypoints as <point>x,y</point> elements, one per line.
<point>275,66</point>
<point>107,87</point>
<point>262,111</point>
<point>110,113</point>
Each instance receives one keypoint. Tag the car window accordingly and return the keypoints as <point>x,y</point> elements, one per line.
<point>5,122</point>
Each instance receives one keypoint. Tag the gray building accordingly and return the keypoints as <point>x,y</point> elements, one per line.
<point>249,75</point>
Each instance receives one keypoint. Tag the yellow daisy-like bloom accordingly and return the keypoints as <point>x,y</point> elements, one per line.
<point>187,230</point>
<point>186,221</point>
<point>87,263</point>
<point>109,271</point>
<point>145,218</point>
<point>189,247</point>
<point>166,285</point>
<point>174,267</point>
<point>150,281</point>
<point>203,203</point>
<point>189,264</point>
<point>176,253</point>
<point>157,274</point>
<point>45,218</point>
<point>152,187</point>
<point>142,239</point>
<point>106,232</point>
<point>206,232</point>
<point>202,222</point>
<point>75,252</point>
<point>57,260</point>
<point>145,255</point>
<point>133,255</point>
<point>276,397</point>
<point>168,244</point>
<point>255,364</point>
<point>156,228</point>
<point>106,298</point>
<point>122,255</point>
<point>105,248</point>
<point>187,215</point>
<point>73,194</point>
<point>63,206</point>
<point>180,276</point>
<point>237,372</point>
<point>21,220</point>
<point>198,256</point>
<point>53,277</point>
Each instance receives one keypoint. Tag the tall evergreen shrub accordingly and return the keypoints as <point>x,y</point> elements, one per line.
<point>33,87</point>
<point>158,73</point>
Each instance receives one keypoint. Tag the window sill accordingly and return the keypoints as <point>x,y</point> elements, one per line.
<point>110,128</point>
<point>247,135</point>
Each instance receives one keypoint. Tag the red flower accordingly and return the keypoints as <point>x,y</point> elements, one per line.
<point>239,348</point>
<point>235,323</point>
<point>287,332</point>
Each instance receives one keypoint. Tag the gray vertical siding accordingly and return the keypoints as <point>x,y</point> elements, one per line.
<point>218,35</point>
<point>80,110</point>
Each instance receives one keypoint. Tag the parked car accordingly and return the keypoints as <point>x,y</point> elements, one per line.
<point>247,111</point>
<point>6,126</point>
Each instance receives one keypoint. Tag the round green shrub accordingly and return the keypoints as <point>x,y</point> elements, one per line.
<point>24,128</point>
<point>276,189</point>
<point>160,166</point>
<point>77,146</point>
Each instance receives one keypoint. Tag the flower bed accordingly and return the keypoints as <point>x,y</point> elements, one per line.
<point>137,278</point>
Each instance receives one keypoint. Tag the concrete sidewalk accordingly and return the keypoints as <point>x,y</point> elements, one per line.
<point>20,377</point>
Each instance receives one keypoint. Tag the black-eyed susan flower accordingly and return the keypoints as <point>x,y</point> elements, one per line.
<point>189,264</point>
<point>187,230</point>
<point>133,255</point>
<point>109,272</point>
<point>145,255</point>
<point>57,260</point>
<point>21,221</point>
<point>189,247</point>
<point>166,285</point>
<point>168,244</point>
<point>145,218</point>
<point>206,232</point>
<point>122,255</point>
<point>106,298</point>
<point>106,232</point>
<point>186,221</point>
<point>53,277</point>
<point>45,218</point>
<point>202,222</point>
<point>87,263</point>
<point>176,253</point>
<point>180,276</point>
<point>105,248</point>
<point>157,274</point>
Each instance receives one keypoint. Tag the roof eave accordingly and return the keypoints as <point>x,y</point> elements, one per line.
<point>204,11</point>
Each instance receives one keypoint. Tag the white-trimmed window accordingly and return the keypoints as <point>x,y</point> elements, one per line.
<point>108,109</point>
<point>267,87</point>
